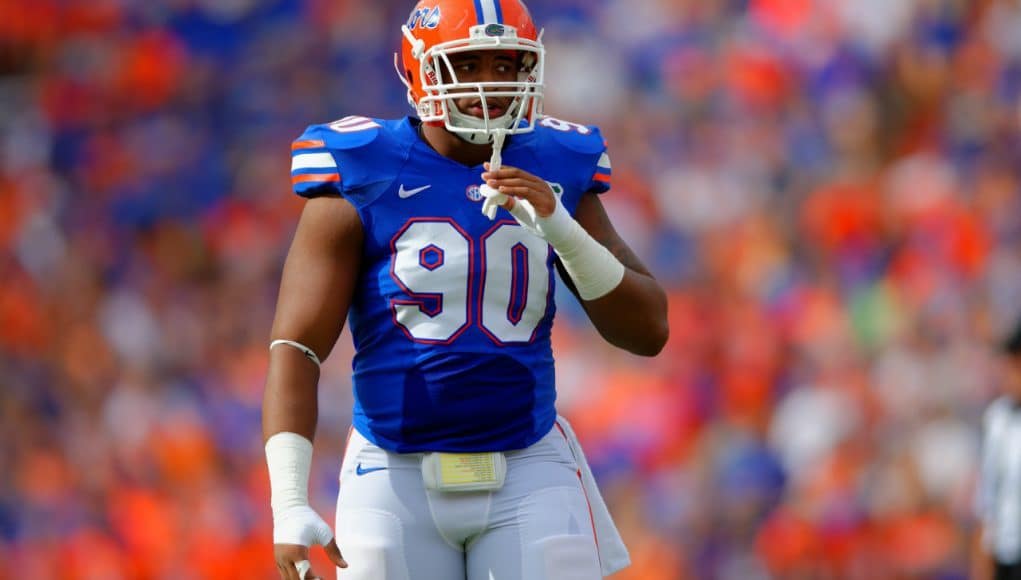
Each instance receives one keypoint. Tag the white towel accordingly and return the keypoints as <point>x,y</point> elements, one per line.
<point>613,555</point>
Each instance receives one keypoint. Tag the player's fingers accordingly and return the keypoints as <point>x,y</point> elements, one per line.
<point>507,172</point>
<point>290,552</point>
<point>524,179</point>
<point>303,571</point>
<point>540,188</point>
<point>538,185</point>
<point>287,571</point>
<point>333,551</point>
<point>543,204</point>
<point>287,555</point>
<point>311,575</point>
<point>524,188</point>
<point>523,192</point>
<point>510,171</point>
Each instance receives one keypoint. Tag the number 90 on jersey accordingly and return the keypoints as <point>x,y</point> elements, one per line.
<point>432,264</point>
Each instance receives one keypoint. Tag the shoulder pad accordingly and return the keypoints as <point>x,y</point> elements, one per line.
<point>349,132</point>
<point>585,139</point>
<point>346,157</point>
<point>316,156</point>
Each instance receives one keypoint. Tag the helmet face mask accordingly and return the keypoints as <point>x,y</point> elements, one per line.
<point>430,46</point>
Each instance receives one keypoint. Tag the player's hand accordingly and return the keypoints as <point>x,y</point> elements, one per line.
<point>515,184</point>
<point>293,533</point>
<point>532,203</point>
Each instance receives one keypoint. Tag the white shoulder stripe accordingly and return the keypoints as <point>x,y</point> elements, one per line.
<point>604,161</point>
<point>313,161</point>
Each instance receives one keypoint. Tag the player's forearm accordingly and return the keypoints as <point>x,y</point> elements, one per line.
<point>290,401</point>
<point>631,310</point>
<point>633,316</point>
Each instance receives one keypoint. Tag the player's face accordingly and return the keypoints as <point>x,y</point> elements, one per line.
<point>484,66</point>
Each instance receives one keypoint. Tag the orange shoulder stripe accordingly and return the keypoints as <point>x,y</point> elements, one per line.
<point>308,144</point>
<point>295,179</point>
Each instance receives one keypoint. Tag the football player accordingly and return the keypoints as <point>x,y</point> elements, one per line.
<point>437,236</point>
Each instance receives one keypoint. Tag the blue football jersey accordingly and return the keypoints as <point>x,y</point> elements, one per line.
<point>452,313</point>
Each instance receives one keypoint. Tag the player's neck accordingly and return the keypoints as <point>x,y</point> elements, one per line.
<point>453,147</point>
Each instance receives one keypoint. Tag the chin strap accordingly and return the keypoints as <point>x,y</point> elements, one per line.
<point>496,160</point>
<point>494,199</point>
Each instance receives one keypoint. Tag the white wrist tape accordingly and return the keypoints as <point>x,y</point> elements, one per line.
<point>289,458</point>
<point>308,352</point>
<point>593,268</point>
<point>301,526</point>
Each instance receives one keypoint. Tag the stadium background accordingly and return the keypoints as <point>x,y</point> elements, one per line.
<point>829,189</point>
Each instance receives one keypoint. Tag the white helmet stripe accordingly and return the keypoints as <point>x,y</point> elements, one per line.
<point>489,11</point>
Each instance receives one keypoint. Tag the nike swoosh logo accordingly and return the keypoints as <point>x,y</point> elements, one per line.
<point>406,193</point>
<point>363,470</point>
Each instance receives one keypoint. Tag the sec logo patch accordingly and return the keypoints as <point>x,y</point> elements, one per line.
<point>474,193</point>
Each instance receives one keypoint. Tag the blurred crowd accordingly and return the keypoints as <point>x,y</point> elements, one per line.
<point>829,189</point>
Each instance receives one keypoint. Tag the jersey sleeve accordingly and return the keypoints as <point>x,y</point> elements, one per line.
<point>339,158</point>
<point>580,151</point>
<point>314,170</point>
<point>574,156</point>
<point>601,177</point>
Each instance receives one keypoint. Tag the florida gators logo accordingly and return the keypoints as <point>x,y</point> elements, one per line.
<point>425,18</point>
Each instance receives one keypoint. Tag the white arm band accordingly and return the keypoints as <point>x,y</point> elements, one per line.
<point>593,268</point>
<point>289,458</point>
<point>309,353</point>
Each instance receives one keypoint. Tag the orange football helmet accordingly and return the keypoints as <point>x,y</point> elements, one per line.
<point>438,28</point>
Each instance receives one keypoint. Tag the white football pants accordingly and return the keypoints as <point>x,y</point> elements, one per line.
<point>538,526</point>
